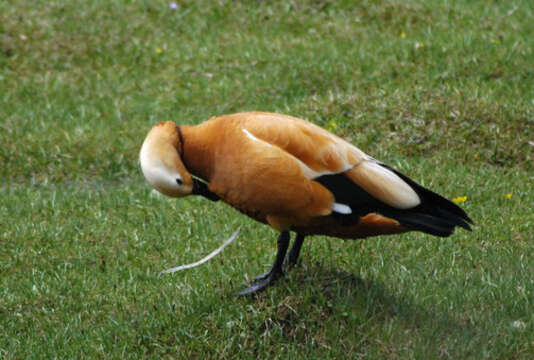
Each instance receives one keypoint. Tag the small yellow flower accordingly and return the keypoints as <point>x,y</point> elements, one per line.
<point>402,35</point>
<point>332,125</point>
<point>460,199</point>
<point>159,51</point>
<point>508,196</point>
<point>419,45</point>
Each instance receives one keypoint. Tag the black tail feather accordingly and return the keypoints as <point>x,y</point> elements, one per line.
<point>456,220</point>
<point>435,215</point>
<point>426,223</point>
<point>436,200</point>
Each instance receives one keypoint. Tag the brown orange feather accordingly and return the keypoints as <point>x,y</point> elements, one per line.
<point>264,165</point>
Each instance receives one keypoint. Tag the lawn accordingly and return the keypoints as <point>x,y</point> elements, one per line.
<point>443,90</point>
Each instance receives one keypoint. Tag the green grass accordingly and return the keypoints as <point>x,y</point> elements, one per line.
<point>443,90</point>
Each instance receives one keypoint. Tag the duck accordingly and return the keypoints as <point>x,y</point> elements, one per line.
<point>293,176</point>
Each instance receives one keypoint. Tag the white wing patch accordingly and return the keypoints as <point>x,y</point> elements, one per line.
<point>385,185</point>
<point>341,208</point>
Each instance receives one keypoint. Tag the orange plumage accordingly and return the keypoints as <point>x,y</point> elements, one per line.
<point>294,176</point>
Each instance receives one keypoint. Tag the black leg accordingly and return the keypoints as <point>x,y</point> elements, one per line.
<point>295,251</point>
<point>292,257</point>
<point>276,270</point>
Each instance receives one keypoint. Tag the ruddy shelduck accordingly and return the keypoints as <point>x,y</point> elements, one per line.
<point>294,176</point>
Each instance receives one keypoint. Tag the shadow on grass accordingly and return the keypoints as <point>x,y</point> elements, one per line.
<point>348,308</point>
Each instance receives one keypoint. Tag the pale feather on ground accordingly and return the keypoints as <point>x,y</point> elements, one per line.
<point>202,261</point>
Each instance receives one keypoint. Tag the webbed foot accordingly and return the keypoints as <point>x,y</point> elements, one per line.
<point>267,279</point>
<point>261,284</point>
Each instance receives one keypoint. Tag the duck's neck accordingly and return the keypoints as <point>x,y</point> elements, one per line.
<point>198,150</point>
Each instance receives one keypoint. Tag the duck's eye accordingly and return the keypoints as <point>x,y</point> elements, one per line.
<point>179,181</point>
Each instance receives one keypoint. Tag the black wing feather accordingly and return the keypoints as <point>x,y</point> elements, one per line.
<point>434,215</point>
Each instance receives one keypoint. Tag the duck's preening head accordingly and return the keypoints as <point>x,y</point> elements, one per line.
<point>161,162</point>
